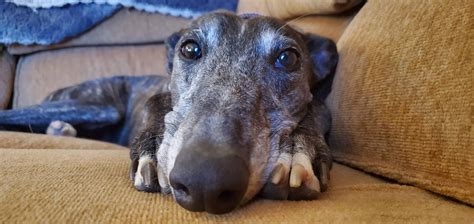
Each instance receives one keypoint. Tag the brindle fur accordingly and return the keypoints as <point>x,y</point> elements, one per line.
<point>233,94</point>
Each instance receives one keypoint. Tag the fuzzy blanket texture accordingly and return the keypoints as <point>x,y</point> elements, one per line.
<point>23,25</point>
<point>48,22</point>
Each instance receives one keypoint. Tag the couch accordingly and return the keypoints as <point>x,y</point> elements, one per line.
<point>402,105</point>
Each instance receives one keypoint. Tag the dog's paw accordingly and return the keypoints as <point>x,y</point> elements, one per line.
<point>143,169</point>
<point>144,175</point>
<point>292,178</point>
<point>61,128</point>
<point>277,187</point>
<point>304,185</point>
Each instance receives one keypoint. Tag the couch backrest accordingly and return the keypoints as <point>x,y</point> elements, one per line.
<point>402,100</point>
<point>7,73</point>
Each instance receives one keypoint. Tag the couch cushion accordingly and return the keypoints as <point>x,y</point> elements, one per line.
<point>402,100</point>
<point>17,140</point>
<point>328,26</point>
<point>41,73</point>
<point>79,185</point>
<point>287,9</point>
<point>7,74</point>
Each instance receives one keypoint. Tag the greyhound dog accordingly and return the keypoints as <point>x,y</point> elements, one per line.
<point>240,115</point>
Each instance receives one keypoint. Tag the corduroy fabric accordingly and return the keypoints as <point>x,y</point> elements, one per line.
<point>18,140</point>
<point>73,185</point>
<point>330,25</point>
<point>327,26</point>
<point>287,9</point>
<point>402,100</point>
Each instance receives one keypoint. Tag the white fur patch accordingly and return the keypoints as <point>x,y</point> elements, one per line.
<point>173,149</point>
<point>259,160</point>
<point>61,128</point>
<point>285,159</point>
<point>310,180</point>
<point>138,176</point>
<point>302,159</point>
<point>267,40</point>
<point>242,29</point>
<point>212,32</point>
<point>167,154</point>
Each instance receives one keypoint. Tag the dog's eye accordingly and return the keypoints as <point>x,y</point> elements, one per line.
<point>287,59</point>
<point>191,50</point>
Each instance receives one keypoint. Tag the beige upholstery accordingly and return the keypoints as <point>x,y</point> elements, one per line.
<point>287,9</point>
<point>41,73</point>
<point>328,26</point>
<point>71,185</point>
<point>16,140</point>
<point>7,74</point>
<point>324,24</point>
<point>402,101</point>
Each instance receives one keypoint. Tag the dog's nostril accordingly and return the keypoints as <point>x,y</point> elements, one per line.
<point>226,196</point>
<point>181,189</point>
<point>209,178</point>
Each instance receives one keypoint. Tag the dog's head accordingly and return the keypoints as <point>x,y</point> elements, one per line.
<point>238,86</point>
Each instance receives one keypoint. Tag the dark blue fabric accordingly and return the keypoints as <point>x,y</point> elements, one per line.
<point>198,6</point>
<point>23,25</point>
<point>46,26</point>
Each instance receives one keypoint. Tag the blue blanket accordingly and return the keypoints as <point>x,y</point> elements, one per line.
<point>49,22</point>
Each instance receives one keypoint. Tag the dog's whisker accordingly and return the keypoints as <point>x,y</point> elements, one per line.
<point>292,21</point>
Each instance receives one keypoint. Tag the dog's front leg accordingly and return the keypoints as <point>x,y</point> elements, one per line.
<point>312,159</point>
<point>302,170</point>
<point>143,150</point>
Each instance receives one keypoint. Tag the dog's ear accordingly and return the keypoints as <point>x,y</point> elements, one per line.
<point>323,53</point>
<point>170,43</point>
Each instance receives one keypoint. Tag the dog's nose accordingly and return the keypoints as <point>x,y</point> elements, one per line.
<point>209,178</point>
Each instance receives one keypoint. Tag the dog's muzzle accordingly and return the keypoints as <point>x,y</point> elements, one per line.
<point>209,176</point>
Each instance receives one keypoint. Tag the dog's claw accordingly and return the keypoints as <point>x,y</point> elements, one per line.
<point>278,174</point>
<point>277,188</point>
<point>146,177</point>
<point>298,175</point>
<point>61,128</point>
<point>304,185</point>
<point>324,175</point>
<point>133,169</point>
<point>150,178</point>
<point>293,178</point>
